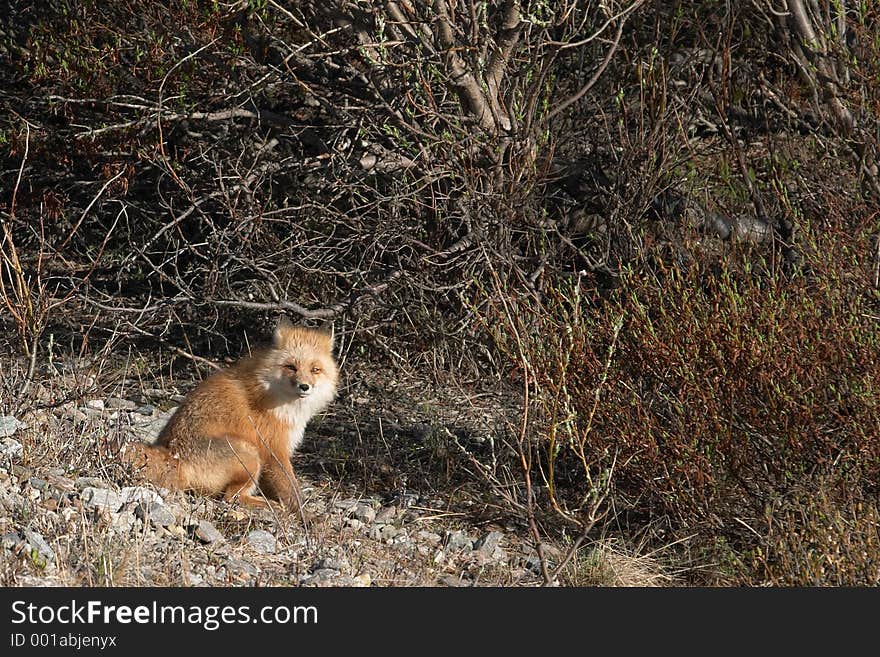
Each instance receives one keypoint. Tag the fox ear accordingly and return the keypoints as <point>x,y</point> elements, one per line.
<point>327,329</point>
<point>281,327</point>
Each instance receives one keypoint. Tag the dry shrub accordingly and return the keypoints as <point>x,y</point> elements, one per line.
<point>722,389</point>
<point>610,563</point>
<point>827,539</point>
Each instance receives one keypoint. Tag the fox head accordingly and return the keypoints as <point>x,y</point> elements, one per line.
<point>300,365</point>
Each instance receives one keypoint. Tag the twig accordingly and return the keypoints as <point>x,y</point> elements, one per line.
<point>595,77</point>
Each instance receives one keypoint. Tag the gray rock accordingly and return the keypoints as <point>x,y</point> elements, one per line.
<point>101,498</point>
<point>82,483</point>
<point>346,505</point>
<point>262,541</point>
<point>115,403</point>
<point>194,579</point>
<point>487,543</point>
<point>365,513</point>
<point>95,404</point>
<point>11,541</point>
<point>38,484</point>
<point>362,581</point>
<point>240,567</point>
<point>320,577</point>
<point>386,514</point>
<point>206,532</point>
<point>40,548</point>
<point>21,471</point>
<point>61,483</point>
<point>10,449</point>
<point>146,409</point>
<point>9,425</point>
<point>428,537</point>
<point>389,532</point>
<point>329,563</point>
<point>751,229</point>
<point>150,430</point>
<point>458,540</point>
<point>406,500</point>
<point>155,513</point>
<point>123,521</point>
<point>139,494</point>
<point>32,581</point>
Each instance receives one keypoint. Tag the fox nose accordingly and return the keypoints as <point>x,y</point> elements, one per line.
<point>304,387</point>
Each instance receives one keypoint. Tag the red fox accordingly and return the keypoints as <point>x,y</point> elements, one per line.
<point>237,430</point>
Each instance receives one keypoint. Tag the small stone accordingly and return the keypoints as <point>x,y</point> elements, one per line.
<point>320,577</point>
<point>64,484</point>
<point>82,483</point>
<point>155,513</point>
<point>346,505</point>
<point>149,431</point>
<point>101,498</point>
<point>33,581</point>
<point>406,500</point>
<point>139,494</point>
<point>452,581</point>
<point>9,425</point>
<point>21,471</point>
<point>486,544</point>
<point>386,514</point>
<point>40,548</point>
<point>177,530</point>
<point>240,567</point>
<point>10,449</point>
<point>428,537</point>
<point>194,579</point>
<point>121,522</point>
<point>362,581</point>
<point>207,532</point>
<point>95,414</point>
<point>329,563</point>
<point>11,541</point>
<point>388,532</point>
<point>146,409</point>
<point>262,541</point>
<point>458,540</point>
<point>118,404</point>
<point>95,404</point>
<point>365,513</point>
<point>37,483</point>
<point>354,523</point>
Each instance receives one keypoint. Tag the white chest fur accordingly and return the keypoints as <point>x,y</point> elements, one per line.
<point>297,413</point>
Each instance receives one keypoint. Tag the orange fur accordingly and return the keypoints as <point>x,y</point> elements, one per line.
<point>237,430</point>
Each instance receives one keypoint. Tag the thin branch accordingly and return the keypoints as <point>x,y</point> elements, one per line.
<point>595,77</point>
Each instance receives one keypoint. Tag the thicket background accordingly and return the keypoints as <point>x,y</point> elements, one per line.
<point>654,223</point>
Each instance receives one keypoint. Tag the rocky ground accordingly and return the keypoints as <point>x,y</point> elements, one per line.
<point>379,510</point>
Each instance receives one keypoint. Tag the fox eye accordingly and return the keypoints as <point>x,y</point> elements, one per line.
<point>316,370</point>
<point>290,367</point>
